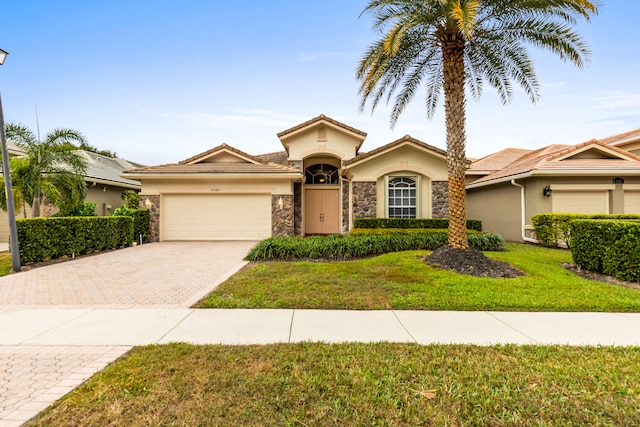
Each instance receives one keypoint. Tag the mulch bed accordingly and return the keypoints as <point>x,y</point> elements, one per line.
<point>471,262</point>
<point>599,277</point>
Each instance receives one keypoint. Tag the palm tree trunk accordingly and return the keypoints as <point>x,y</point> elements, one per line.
<point>36,203</point>
<point>454,85</point>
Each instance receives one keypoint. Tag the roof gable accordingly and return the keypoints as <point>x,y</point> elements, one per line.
<point>407,140</point>
<point>222,154</point>
<point>320,124</point>
<point>623,139</point>
<point>585,158</point>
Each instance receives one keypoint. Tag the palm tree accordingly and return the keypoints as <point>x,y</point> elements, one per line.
<point>448,45</point>
<point>52,167</point>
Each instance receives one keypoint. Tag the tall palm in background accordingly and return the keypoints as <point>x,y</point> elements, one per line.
<point>52,167</point>
<point>452,45</point>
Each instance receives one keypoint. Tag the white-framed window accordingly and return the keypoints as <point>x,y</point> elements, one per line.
<point>402,197</point>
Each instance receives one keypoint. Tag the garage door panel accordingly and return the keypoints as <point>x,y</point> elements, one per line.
<point>216,216</point>
<point>584,202</point>
<point>632,202</point>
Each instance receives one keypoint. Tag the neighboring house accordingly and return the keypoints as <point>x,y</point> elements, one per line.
<point>104,187</point>
<point>505,189</point>
<point>319,184</point>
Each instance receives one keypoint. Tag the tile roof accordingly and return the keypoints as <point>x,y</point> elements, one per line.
<point>496,161</point>
<point>107,168</point>
<point>551,158</point>
<point>211,168</point>
<point>621,138</point>
<point>280,158</point>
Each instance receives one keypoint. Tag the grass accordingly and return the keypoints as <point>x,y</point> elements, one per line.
<point>316,384</point>
<point>402,281</point>
<point>6,265</point>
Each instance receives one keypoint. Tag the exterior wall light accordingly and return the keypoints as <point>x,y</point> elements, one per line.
<point>618,180</point>
<point>280,203</point>
<point>546,192</point>
<point>147,203</point>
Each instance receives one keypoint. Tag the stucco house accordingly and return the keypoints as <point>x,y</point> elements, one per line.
<point>318,184</point>
<point>506,189</point>
<point>104,186</point>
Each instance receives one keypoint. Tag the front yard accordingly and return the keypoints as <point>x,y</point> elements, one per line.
<point>402,280</point>
<point>316,384</point>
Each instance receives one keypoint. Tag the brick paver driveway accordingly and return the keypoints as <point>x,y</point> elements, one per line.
<point>151,276</point>
<point>167,274</point>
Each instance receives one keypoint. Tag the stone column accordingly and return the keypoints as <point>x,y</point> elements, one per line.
<point>154,216</point>
<point>439,199</point>
<point>282,217</point>
<point>364,200</point>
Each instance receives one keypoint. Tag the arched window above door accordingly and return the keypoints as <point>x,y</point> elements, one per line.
<point>321,173</point>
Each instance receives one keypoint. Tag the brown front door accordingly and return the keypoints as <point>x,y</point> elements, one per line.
<point>322,210</point>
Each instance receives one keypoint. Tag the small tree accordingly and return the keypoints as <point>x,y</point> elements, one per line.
<point>52,167</point>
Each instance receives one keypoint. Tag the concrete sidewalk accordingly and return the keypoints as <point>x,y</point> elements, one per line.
<point>48,352</point>
<point>113,327</point>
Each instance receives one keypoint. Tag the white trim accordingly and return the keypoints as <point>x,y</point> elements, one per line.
<point>631,187</point>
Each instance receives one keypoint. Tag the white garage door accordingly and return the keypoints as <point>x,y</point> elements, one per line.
<point>584,202</point>
<point>632,202</point>
<point>215,216</point>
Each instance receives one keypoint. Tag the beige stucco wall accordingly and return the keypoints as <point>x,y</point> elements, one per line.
<point>405,158</point>
<point>316,140</point>
<point>104,196</point>
<point>206,185</point>
<point>403,161</point>
<point>498,206</point>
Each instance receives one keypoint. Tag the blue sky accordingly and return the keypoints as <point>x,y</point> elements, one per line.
<point>159,81</point>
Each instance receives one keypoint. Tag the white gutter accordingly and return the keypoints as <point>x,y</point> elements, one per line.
<point>522,210</point>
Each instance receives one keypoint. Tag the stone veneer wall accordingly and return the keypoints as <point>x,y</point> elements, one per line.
<point>282,220</point>
<point>439,199</point>
<point>297,209</point>
<point>364,199</point>
<point>154,216</point>
<point>345,206</point>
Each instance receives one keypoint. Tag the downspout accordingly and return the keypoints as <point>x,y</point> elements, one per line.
<point>522,210</point>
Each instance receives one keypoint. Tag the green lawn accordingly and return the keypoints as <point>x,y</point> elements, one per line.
<point>6,266</point>
<point>359,384</point>
<point>402,281</point>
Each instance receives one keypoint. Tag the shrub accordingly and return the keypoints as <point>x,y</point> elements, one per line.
<point>607,246</point>
<point>141,220</point>
<point>553,229</point>
<point>49,238</point>
<point>432,223</point>
<point>83,209</point>
<point>343,247</point>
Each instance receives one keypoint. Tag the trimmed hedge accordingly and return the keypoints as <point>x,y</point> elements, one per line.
<point>431,223</point>
<point>553,229</point>
<point>607,246</point>
<point>48,238</point>
<point>338,246</point>
<point>141,218</point>
<point>378,231</point>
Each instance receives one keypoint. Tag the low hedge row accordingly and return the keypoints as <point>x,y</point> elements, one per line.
<point>141,218</point>
<point>607,246</point>
<point>343,247</point>
<point>49,238</point>
<point>378,231</point>
<point>431,223</point>
<point>554,229</point>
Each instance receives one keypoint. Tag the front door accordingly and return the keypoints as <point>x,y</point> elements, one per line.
<point>322,210</point>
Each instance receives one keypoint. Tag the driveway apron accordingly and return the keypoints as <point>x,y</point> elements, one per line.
<point>167,275</point>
